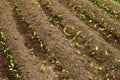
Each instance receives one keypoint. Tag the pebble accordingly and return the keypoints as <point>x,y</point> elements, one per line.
<point>15,37</point>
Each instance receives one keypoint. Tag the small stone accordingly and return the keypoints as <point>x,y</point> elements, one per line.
<point>15,37</point>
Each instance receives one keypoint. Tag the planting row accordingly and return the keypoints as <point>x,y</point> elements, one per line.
<point>56,18</point>
<point>54,40</point>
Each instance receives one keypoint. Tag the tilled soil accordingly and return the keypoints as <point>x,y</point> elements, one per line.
<point>37,33</point>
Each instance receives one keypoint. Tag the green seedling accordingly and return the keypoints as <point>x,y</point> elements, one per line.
<point>6,50</point>
<point>90,21</point>
<point>3,37</point>
<point>83,16</point>
<point>93,15</point>
<point>53,55</point>
<point>107,53</point>
<point>41,45</point>
<point>107,76</point>
<point>42,68</point>
<point>47,49</point>
<point>34,33</point>
<point>75,37</point>
<point>68,79</point>
<point>93,53</point>
<point>101,29</point>
<point>78,45</point>
<point>105,24</point>
<point>58,62</point>
<point>65,32</point>
<point>99,68</point>
<point>117,60</point>
<point>91,64</point>
<point>102,19</point>
<point>2,43</point>
<point>109,35</point>
<point>97,48</point>
<point>65,71</point>
<point>18,76</point>
<point>59,15</point>
<point>11,63</point>
<point>95,25</point>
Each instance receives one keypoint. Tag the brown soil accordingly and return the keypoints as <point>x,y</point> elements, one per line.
<point>36,38</point>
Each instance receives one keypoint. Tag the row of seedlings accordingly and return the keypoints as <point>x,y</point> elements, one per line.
<point>35,37</point>
<point>14,74</point>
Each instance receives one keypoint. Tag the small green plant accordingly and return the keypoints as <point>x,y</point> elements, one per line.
<point>97,48</point>
<point>58,62</point>
<point>65,31</point>
<point>91,64</point>
<point>117,60</point>
<point>90,21</point>
<point>83,16</point>
<point>6,50</point>
<point>65,71</point>
<point>52,55</point>
<point>68,78</point>
<point>95,25</point>
<point>42,68</point>
<point>3,37</point>
<point>107,53</point>
<point>107,76</point>
<point>77,35</point>
<point>78,45</point>
<point>99,68</point>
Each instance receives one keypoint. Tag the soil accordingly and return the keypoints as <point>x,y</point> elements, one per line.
<point>42,51</point>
